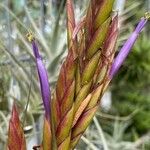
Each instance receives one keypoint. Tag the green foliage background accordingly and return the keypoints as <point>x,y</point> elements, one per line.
<point>131,86</point>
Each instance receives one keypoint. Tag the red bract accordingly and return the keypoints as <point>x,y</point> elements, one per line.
<point>16,139</point>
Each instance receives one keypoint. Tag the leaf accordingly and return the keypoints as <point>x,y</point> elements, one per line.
<point>18,5</point>
<point>55,62</point>
<point>16,138</point>
<point>103,12</point>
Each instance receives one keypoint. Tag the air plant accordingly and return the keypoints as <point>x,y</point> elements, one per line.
<point>84,76</point>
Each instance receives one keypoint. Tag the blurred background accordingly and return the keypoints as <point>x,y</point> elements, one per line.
<point>123,119</point>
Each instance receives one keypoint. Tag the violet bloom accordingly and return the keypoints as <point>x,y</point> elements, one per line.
<point>44,84</point>
<point>127,47</point>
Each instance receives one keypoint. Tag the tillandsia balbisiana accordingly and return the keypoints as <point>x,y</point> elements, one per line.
<point>84,76</point>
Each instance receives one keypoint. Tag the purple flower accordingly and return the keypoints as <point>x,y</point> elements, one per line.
<point>127,47</point>
<point>44,84</point>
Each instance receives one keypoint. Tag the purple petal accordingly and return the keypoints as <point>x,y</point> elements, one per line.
<point>126,48</point>
<point>44,83</point>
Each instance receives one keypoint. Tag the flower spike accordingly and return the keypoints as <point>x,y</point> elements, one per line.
<point>127,46</point>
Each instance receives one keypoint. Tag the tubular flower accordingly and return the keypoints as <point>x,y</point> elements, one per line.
<point>44,83</point>
<point>127,47</point>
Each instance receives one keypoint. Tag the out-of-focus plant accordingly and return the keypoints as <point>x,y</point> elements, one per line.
<point>133,90</point>
<point>84,75</point>
<point>95,138</point>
